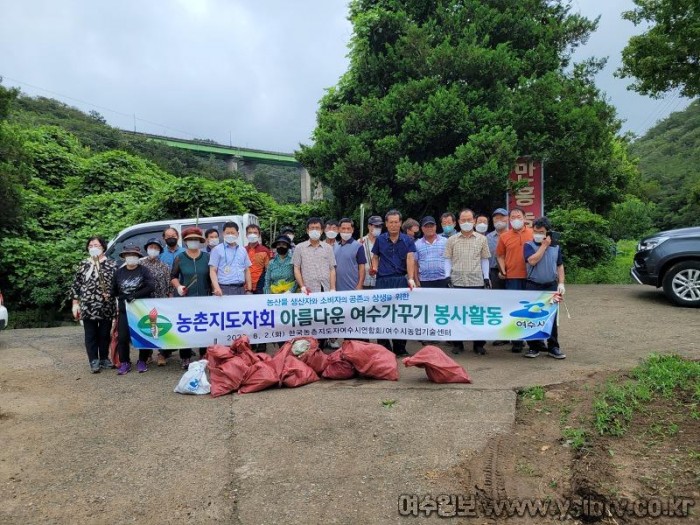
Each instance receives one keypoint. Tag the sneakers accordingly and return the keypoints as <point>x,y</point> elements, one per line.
<point>185,363</point>
<point>95,366</point>
<point>124,369</point>
<point>141,367</point>
<point>106,364</point>
<point>556,353</point>
<point>160,359</point>
<point>531,353</point>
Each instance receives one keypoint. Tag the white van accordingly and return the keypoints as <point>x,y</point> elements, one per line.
<point>140,233</point>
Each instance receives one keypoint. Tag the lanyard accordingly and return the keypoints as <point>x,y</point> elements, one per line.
<point>235,251</point>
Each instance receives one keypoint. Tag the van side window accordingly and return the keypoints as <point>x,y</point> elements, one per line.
<point>138,238</point>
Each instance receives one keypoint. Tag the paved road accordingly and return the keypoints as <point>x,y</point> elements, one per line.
<point>86,448</point>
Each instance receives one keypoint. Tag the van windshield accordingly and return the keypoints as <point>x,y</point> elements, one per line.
<point>138,237</point>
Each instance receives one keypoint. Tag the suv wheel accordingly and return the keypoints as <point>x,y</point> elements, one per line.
<point>682,283</point>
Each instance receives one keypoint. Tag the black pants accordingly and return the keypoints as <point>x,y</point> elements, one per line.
<point>516,284</point>
<point>97,337</point>
<point>496,282</point>
<point>438,283</point>
<point>124,341</point>
<point>553,341</point>
<point>477,344</point>
<point>398,346</point>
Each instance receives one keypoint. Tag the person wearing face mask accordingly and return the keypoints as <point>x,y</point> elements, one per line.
<point>172,249</point>
<point>350,258</point>
<point>314,261</point>
<point>229,265</point>
<point>545,271</point>
<point>161,280</point>
<point>374,230</point>
<point>288,232</point>
<point>500,224</point>
<point>132,281</point>
<point>93,302</point>
<point>212,237</point>
<point>331,232</point>
<point>190,277</point>
<point>509,253</point>
<point>448,221</point>
<point>258,254</point>
<point>432,268</point>
<point>411,228</point>
<point>469,255</point>
<point>279,276</point>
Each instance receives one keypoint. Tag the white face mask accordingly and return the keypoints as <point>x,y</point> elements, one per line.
<point>252,237</point>
<point>230,239</point>
<point>331,235</point>
<point>314,235</point>
<point>500,225</point>
<point>539,237</point>
<point>481,227</point>
<point>153,252</point>
<point>131,260</point>
<point>346,236</point>
<point>376,232</point>
<point>517,224</point>
<point>213,242</point>
<point>192,245</point>
<point>95,251</point>
<point>466,226</point>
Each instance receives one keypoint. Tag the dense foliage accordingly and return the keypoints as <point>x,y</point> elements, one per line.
<point>667,55</point>
<point>441,96</point>
<point>60,192</point>
<point>669,162</point>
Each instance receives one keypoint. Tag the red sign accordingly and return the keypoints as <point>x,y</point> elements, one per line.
<point>531,196</point>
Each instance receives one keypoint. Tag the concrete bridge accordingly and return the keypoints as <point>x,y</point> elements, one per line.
<point>240,159</point>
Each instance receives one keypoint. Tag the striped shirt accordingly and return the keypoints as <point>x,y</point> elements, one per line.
<point>431,258</point>
<point>466,254</point>
<point>315,264</point>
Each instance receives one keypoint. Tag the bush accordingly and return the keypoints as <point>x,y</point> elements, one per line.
<point>631,219</point>
<point>616,271</point>
<point>585,237</point>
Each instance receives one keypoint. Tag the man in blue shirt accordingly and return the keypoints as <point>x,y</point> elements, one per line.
<point>172,250</point>
<point>229,265</point>
<point>350,259</point>
<point>433,267</point>
<point>393,258</point>
<point>545,271</point>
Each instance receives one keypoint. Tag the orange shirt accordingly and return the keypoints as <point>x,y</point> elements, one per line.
<point>259,258</point>
<point>510,246</point>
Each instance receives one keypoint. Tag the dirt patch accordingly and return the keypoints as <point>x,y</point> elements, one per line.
<point>553,463</point>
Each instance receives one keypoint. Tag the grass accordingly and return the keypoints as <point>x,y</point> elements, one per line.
<point>534,393</point>
<point>616,271</point>
<point>575,437</point>
<point>389,403</point>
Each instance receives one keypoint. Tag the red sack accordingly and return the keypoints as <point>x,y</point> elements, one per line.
<point>371,360</point>
<point>227,376</point>
<point>241,347</point>
<point>114,338</point>
<point>297,373</point>
<point>258,377</point>
<point>337,367</point>
<point>217,354</point>
<point>439,367</point>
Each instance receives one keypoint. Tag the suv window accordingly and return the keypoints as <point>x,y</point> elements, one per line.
<point>138,237</point>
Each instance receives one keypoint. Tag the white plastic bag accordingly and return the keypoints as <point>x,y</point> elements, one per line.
<point>194,381</point>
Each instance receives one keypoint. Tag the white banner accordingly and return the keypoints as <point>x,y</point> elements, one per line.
<point>441,314</point>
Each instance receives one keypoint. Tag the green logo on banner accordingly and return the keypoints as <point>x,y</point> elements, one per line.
<point>154,326</point>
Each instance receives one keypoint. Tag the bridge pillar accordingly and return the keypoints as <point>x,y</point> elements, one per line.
<point>232,163</point>
<point>305,184</point>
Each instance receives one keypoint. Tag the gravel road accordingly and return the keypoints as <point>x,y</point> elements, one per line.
<point>83,448</point>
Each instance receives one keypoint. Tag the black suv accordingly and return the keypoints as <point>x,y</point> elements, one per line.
<point>671,259</point>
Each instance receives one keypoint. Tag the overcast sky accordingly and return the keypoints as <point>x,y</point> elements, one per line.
<point>247,71</point>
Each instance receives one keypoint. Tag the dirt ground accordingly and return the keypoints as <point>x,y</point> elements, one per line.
<point>83,448</point>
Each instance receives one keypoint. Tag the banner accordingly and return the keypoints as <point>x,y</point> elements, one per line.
<point>442,314</point>
<point>531,196</point>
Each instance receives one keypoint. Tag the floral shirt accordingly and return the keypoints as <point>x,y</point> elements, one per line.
<point>88,289</point>
<point>161,275</point>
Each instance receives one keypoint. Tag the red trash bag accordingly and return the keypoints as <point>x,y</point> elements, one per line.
<point>439,367</point>
<point>241,347</point>
<point>338,368</point>
<point>258,377</point>
<point>227,376</point>
<point>217,354</point>
<point>297,373</point>
<point>314,356</point>
<point>371,360</point>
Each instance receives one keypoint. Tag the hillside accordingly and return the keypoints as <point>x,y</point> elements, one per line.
<point>669,163</point>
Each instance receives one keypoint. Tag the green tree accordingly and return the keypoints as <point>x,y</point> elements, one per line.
<point>667,55</point>
<point>441,96</point>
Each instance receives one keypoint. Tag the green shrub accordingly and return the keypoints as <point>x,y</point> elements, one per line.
<point>631,219</point>
<point>585,237</point>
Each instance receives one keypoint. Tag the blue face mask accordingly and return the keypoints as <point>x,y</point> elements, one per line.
<point>448,229</point>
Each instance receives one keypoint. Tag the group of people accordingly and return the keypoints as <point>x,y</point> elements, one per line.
<point>465,254</point>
